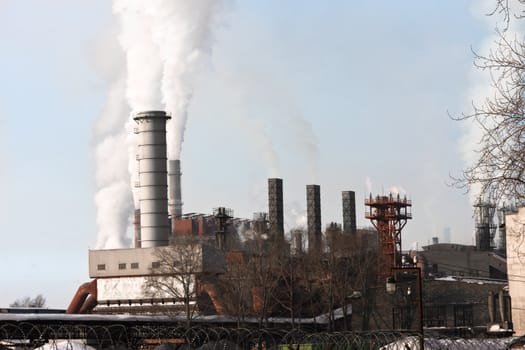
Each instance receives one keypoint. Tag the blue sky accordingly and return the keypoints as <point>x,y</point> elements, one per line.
<point>330,92</point>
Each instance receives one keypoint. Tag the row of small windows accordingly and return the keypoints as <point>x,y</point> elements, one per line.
<point>133,266</point>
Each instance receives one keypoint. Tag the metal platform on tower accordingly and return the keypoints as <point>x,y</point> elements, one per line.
<point>389,214</point>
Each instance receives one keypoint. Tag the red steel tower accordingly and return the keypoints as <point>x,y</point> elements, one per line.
<point>389,215</point>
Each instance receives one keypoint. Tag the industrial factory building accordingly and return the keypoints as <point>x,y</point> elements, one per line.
<point>214,263</point>
<point>124,279</point>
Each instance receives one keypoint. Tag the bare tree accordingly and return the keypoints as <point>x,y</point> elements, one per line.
<point>235,285</point>
<point>262,267</point>
<point>500,167</point>
<point>37,302</point>
<point>175,274</point>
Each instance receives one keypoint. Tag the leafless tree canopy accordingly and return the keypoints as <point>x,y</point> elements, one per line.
<point>175,271</point>
<point>500,166</point>
<point>37,302</point>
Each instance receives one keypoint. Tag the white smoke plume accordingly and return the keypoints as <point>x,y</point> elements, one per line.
<point>295,216</point>
<point>143,63</point>
<point>368,186</point>
<point>163,43</point>
<point>113,196</point>
<point>307,140</point>
<point>398,190</point>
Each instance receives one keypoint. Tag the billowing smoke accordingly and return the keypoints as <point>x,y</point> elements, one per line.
<point>398,190</point>
<point>163,44</point>
<point>295,217</point>
<point>307,141</point>
<point>368,185</point>
<point>113,199</point>
<point>112,179</point>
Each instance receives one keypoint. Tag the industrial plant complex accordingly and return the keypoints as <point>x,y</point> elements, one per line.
<point>251,270</point>
<point>217,270</point>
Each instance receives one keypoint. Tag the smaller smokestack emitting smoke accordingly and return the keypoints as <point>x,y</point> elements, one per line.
<point>174,191</point>
<point>163,42</point>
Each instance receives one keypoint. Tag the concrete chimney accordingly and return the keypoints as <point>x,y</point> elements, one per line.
<point>275,208</point>
<point>174,191</point>
<point>153,186</point>
<point>313,213</point>
<point>349,219</point>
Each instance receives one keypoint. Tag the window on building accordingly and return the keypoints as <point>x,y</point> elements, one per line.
<point>134,265</point>
<point>155,264</point>
<point>463,315</point>
<point>122,266</point>
<point>435,316</point>
<point>101,267</point>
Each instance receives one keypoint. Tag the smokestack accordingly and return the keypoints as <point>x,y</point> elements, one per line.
<point>313,213</point>
<point>153,186</point>
<point>136,225</point>
<point>297,236</point>
<point>174,191</point>
<point>349,220</point>
<point>275,208</point>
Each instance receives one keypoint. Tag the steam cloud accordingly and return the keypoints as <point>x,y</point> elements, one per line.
<point>164,42</point>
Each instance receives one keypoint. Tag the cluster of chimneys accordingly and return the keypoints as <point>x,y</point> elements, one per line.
<point>313,212</point>
<point>160,191</point>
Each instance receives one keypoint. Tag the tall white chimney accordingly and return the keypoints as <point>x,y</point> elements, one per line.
<point>153,186</point>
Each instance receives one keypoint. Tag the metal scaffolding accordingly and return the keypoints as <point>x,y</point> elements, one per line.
<point>389,215</point>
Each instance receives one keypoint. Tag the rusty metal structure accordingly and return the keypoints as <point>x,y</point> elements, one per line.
<point>389,215</point>
<point>85,299</point>
<point>275,209</point>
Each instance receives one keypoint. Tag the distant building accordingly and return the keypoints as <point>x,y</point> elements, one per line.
<point>121,275</point>
<point>449,259</point>
<point>515,238</point>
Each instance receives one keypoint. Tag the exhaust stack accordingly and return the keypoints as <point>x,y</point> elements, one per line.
<point>153,186</point>
<point>275,209</point>
<point>174,191</point>
<point>349,220</point>
<point>313,213</point>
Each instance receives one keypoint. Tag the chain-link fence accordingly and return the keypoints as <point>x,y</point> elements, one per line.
<point>21,336</point>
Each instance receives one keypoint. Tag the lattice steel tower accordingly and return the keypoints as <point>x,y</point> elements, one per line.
<point>389,215</point>
<point>485,226</point>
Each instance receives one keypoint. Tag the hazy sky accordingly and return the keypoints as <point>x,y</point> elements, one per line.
<point>326,92</point>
